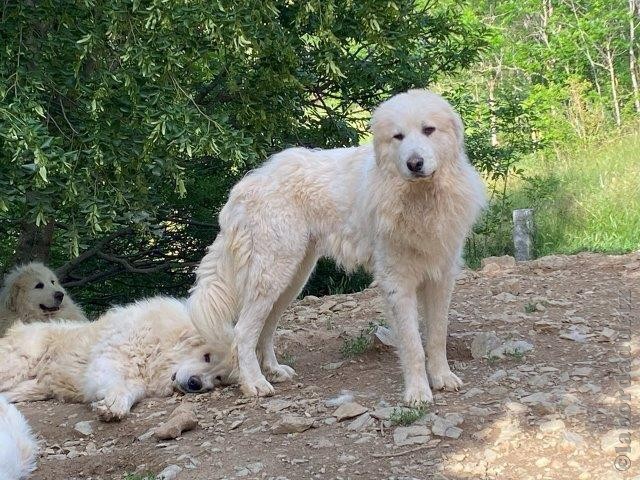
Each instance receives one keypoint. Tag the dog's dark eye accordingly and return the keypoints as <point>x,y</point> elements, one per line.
<point>428,130</point>
<point>398,136</point>
<point>40,285</point>
<point>207,358</point>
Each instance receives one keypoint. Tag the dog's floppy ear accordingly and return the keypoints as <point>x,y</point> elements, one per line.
<point>458,127</point>
<point>12,290</point>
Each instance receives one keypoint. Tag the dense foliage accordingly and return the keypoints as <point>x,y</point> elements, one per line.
<point>124,123</point>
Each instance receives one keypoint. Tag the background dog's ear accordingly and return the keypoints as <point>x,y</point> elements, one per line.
<point>10,293</point>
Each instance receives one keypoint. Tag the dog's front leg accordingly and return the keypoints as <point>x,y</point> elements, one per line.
<point>435,296</point>
<point>401,297</point>
<point>117,401</point>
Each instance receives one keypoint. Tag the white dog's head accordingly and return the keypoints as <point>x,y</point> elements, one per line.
<point>415,134</point>
<point>33,293</point>
<point>197,369</point>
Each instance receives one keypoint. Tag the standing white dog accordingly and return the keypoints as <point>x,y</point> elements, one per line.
<point>402,208</point>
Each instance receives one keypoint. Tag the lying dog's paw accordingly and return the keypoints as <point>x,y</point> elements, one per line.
<point>417,395</point>
<point>257,388</point>
<point>280,373</point>
<point>444,379</point>
<point>109,412</point>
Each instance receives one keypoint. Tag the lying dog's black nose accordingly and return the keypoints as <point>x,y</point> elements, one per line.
<point>58,296</point>
<point>194,384</point>
<point>414,164</point>
<point>173,377</point>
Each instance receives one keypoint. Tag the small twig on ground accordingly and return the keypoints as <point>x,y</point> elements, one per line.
<point>398,454</point>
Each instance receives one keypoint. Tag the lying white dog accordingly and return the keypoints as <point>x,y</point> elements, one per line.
<point>32,293</point>
<point>18,448</point>
<point>144,349</point>
<point>402,208</point>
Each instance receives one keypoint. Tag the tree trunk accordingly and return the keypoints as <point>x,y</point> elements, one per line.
<point>633,62</point>
<point>492,112</point>
<point>614,85</point>
<point>34,243</point>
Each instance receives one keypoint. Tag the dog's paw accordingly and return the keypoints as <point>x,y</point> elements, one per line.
<point>280,373</point>
<point>415,396</point>
<point>109,412</point>
<point>257,388</point>
<point>444,379</point>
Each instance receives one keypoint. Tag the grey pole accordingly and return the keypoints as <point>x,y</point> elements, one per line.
<point>523,233</point>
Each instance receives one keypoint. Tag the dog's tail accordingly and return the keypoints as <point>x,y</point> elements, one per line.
<point>215,298</point>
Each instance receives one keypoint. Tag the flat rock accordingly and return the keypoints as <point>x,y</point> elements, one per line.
<point>511,347</point>
<point>182,419</point>
<point>276,405</point>
<point>444,428</point>
<point>169,473</point>
<point>349,410</point>
<point>360,423</point>
<point>497,264</point>
<point>292,424</point>
<point>85,428</point>
<point>412,435</point>
<point>483,343</point>
<point>385,413</point>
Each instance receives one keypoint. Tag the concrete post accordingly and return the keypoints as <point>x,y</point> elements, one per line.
<point>523,234</point>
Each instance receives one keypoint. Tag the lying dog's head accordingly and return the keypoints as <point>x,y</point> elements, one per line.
<point>415,134</point>
<point>33,293</point>
<point>197,369</point>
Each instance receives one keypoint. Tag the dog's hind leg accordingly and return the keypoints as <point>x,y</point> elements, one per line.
<point>14,368</point>
<point>435,296</point>
<point>274,371</point>
<point>28,391</point>
<point>269,276</point>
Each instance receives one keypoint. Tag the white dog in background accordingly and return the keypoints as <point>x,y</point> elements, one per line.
<point>402,208</point>
<point>148,348</point>
<point>18,447</point>
<point>32,293</point>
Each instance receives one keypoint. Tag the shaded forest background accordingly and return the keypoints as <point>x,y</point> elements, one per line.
<point>123,124</point>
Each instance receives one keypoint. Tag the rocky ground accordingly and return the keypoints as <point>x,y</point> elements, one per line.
<point>548,351</point>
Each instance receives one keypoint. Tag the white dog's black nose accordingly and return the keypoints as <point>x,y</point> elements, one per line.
<point>194,384</point>
<point>415,163</point>
<point>58,296</point>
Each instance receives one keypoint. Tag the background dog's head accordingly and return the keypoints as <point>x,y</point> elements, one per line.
<point>33,292</point>
<point>416,133</point>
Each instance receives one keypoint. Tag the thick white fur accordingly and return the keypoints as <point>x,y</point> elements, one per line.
<point>144,349</point>
<point>21,301</point>
<point>18,447</point>
<point>360,206</point>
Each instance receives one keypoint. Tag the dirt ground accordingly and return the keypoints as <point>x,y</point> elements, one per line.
<point>567,409</point>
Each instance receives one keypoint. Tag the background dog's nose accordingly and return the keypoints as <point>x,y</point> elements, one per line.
<point>414,164</point>
<point>58,296</point>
